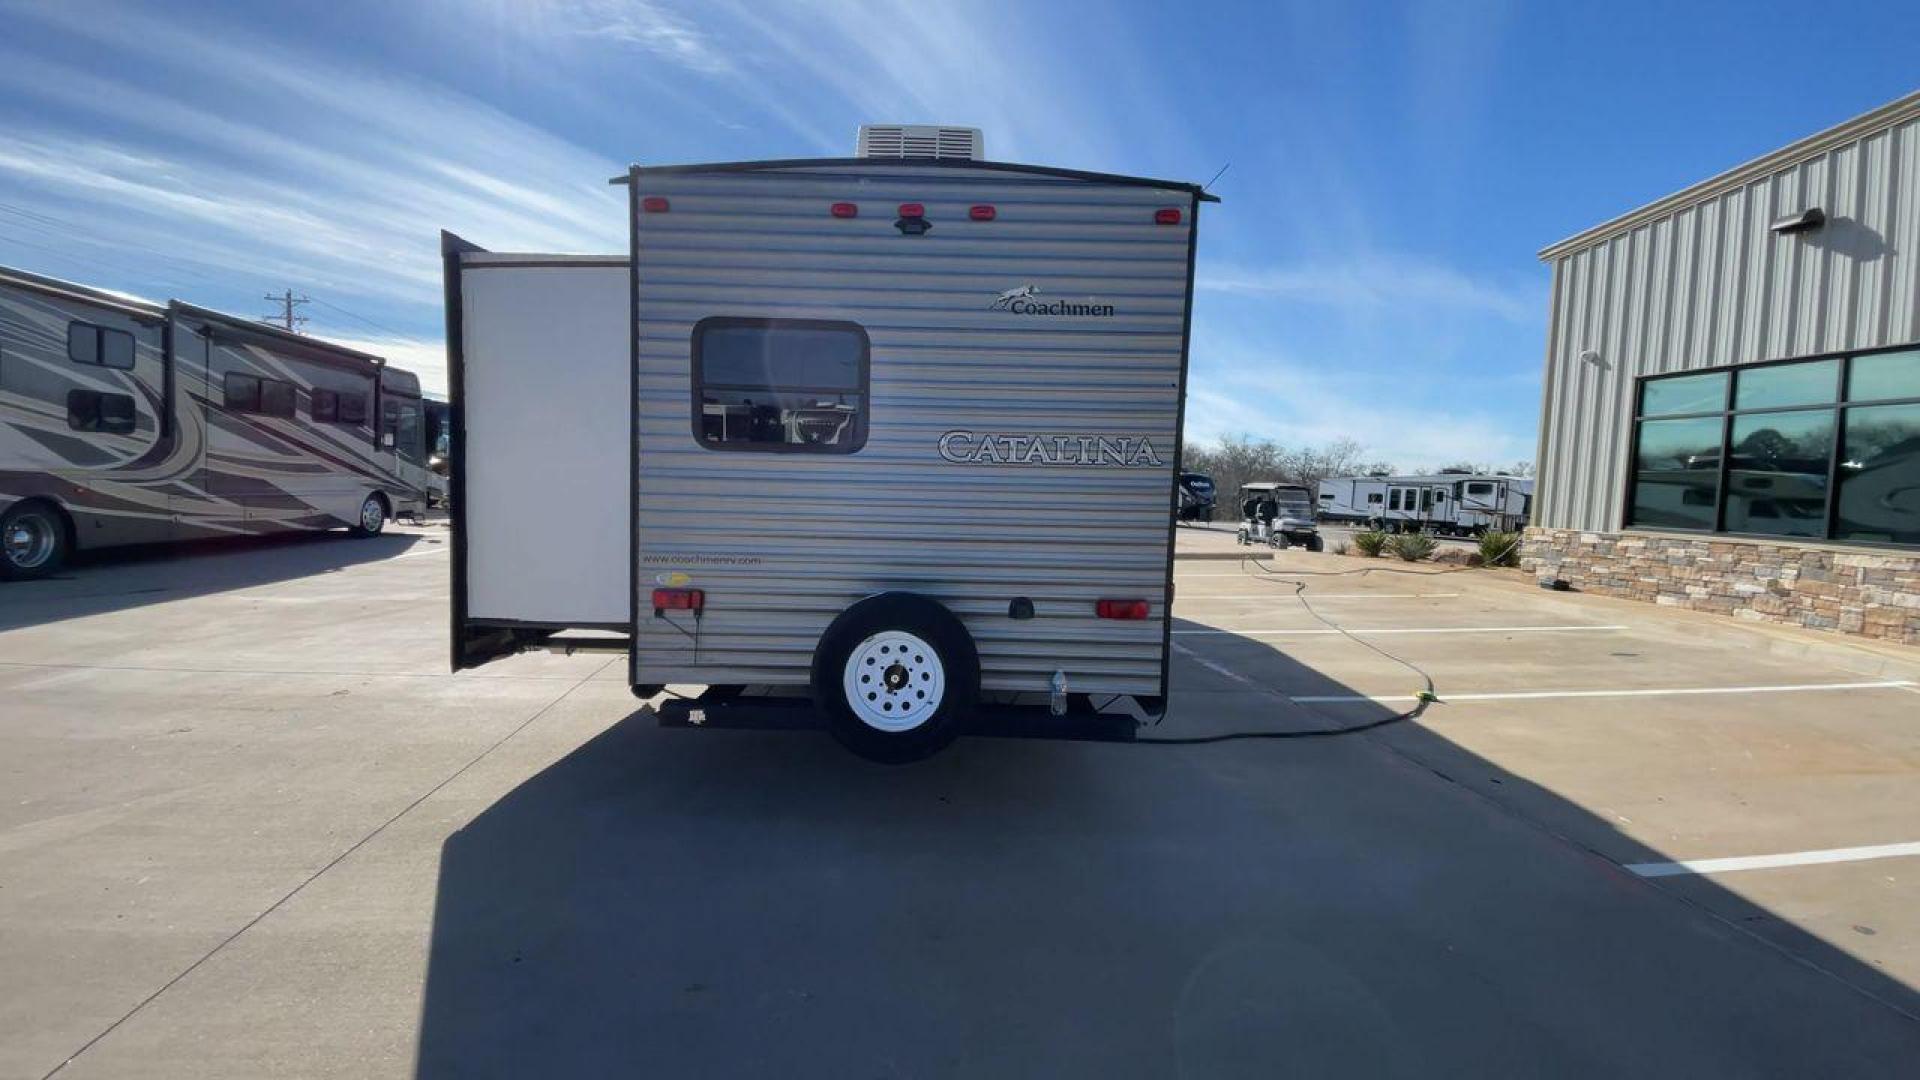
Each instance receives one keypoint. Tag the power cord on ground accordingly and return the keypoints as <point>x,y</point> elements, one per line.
<point>1428,694</point>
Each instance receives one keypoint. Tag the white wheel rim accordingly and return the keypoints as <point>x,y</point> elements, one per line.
<point>370,516</point>
<point>894,681</point>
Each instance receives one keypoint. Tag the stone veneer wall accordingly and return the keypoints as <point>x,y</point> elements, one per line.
<point>1853,591</point>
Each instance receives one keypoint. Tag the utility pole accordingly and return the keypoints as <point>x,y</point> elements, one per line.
<point>285,316</point>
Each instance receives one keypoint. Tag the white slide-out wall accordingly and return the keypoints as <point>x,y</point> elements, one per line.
<point>546,383</point>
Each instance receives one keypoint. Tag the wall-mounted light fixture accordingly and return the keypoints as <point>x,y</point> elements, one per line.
<point>1592,356</point>
<point>1811,218</point>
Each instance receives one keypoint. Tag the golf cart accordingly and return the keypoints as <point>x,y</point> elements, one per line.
<point>1278,515</point>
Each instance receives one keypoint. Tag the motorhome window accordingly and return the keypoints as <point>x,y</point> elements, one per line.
<point>1373,497</point>
<point>409,435</point>
<point>241,393</point>
<point>325,406</point>
<point>90,344</point>
<point>90,410</point>
<point>780,385</point>
<point>276,398</point>
<point>1480,489</point>
<point>353,409</point>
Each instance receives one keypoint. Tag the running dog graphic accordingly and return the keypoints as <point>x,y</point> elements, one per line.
<point>1024,292</point>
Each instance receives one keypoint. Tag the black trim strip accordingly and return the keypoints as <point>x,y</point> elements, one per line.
<point>584,262</point>
<point>465,648</point>
<point>634,172</point>
<point>1179,447</point>
<point>633,422</point>
<point>82,294</point>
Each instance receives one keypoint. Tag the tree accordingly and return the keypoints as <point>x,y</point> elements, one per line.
<point>1241,459</point>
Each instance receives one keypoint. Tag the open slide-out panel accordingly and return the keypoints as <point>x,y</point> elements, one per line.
<point>540,381</point>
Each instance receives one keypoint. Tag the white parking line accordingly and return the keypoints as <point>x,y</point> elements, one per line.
<point>1534,695</point>
<point>1314,596</point>
<point>1771,862</point>
<point>1412,630</point>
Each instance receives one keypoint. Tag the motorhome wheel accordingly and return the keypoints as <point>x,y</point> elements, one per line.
<point>896,675</point>
<point>33,542</point>
<point>373,517</point>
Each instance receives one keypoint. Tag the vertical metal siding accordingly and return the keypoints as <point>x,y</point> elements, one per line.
<point>807,535</point>
<point>1707,285</point>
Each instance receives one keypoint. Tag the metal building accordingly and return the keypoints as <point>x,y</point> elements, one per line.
<point>1791,286</point>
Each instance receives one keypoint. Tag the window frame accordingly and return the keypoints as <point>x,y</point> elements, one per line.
<point>1839,406</point>
<point>99,346</point>
<point>260,383</point>
<point>698,384</point>
<point>99,398</point>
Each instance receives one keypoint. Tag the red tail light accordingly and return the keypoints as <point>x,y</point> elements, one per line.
<point>1122,609</point>
<point>679,599</point>
<point>912,210</point>
<point>982,213</point>
<point>654,204</point>
<point>1167,215</point>
<point>845,210</point>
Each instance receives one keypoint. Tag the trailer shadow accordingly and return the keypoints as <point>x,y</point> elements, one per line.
<point>118,579</point>
<point>742,903</point>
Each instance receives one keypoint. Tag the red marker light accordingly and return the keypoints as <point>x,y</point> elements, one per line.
<point>845,210</point>
<point>982,213</point>
<point>679,600</point>
<point>1121,609</point>
<point>654,204</point>
<point>1167,215</point>
<point>912,210</point>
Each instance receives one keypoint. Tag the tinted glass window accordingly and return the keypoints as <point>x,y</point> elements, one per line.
<point>1479,489</point>
<point>1686,394</point>
<point>88,410</point>
<point>326,405</point>
<point>353,408</point>
<point>1884,375</point>
<point>410,435</point>
<point>89,344</point>
<point>1777,474</point>
<point>241,392</point>
<point>780,384</point>
<point>1880,475</point>
<point>276,398</point>
<point>1677,473</point>
<point>1814,383</point>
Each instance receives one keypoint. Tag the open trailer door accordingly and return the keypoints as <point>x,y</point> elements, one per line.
<point>539,384</point>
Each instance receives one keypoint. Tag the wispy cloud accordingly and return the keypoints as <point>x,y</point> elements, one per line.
<point>647,26</point>
<point>1378,282</point>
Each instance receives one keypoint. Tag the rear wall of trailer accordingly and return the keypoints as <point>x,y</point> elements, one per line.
<point>970,487</point>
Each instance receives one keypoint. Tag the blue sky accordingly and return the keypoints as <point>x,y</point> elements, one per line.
<point>1371,273</point>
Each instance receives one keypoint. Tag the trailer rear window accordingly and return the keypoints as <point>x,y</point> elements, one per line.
<point>90,344</point>
<point>788,385</point>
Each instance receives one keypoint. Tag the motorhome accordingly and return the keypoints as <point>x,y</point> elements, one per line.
<point>898,436</point>
<point>1447,503</point>
<point>126,421</point>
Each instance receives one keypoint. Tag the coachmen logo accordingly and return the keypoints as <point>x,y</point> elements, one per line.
<point>964,447</point>
<point>1025,301</point>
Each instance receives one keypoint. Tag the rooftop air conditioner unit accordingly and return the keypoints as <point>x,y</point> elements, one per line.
<point>921,141</point>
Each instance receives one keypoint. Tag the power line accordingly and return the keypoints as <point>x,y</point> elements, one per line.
<point>285,315</point>
<point>362,318</point>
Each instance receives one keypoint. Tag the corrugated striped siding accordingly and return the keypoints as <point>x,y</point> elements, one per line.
<point>815,533</point>
<point>1710,285</point>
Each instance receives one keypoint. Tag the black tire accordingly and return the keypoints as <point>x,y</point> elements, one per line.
<point>958,670</point>
<point>34,541</point>
<point>1282,541</point>
<point>1314,543</point>
<point>373,516</point>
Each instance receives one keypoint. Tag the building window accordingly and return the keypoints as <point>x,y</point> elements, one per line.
<point>1817,449</point>
<point>90,344</point>
<point>792,385</point>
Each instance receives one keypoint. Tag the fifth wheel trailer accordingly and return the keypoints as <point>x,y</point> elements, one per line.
<point>899,434</point>
<point>124,421</point>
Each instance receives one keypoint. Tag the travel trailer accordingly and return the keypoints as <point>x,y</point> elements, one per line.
<point>1197,497</point>
<point>1448,503</point>
<point>124,421</point>
<point>897,438</point>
